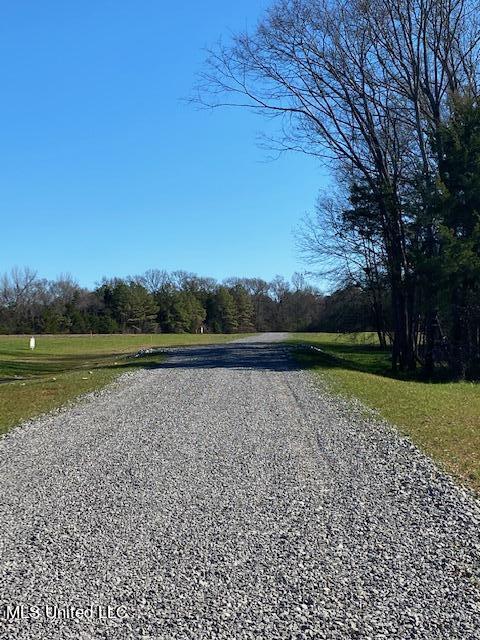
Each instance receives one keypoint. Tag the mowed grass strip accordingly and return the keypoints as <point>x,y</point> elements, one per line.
<point>442,418</point>
<point>64,367</point>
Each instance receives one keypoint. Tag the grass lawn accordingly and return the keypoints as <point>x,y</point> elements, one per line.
<point>63,367</point>
<point>442,418</point>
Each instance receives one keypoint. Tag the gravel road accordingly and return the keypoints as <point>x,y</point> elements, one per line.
<point>227,495</point>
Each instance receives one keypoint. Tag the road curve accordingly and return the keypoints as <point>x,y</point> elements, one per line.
<point>226,495</point>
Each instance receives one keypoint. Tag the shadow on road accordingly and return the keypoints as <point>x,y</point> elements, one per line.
<point>246,356</point>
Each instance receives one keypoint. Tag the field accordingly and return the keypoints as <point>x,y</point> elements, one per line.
<point>63,367</point>
<point>442,418</point>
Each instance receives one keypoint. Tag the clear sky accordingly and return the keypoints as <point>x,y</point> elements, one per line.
<point>106,171</point>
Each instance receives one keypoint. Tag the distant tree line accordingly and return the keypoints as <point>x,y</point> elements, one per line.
<point>388,93</point>
<point>178,302</point>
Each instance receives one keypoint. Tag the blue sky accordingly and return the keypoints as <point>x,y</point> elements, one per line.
<point>106,171</point>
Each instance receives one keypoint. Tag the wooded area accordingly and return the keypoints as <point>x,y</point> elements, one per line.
<point>386,93</point>
<point>178,302</point>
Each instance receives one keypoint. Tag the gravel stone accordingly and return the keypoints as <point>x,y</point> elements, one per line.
<point>229,495</point>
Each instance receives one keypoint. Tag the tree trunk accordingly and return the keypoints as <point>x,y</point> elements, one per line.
<point>429,360</point>
<point>458,361</point>
<point>403,352</point>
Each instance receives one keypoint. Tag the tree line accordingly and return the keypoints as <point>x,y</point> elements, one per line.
<point>177,302</point>
<point>387,93</point>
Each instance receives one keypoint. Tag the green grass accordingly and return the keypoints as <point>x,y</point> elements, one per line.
<point>442,418</point>
<point>64,367</point>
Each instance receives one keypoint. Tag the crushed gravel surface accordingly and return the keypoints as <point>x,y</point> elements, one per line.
<point>228,495</point>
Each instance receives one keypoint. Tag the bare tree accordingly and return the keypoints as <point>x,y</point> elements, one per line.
<point>153,280</point>
<point>21,293</point>
<point>349,248</point>
<point>361,84</point>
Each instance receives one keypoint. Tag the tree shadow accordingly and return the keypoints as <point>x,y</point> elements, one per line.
<point>29,368</point>
<point>365,358</point>
<point>246,356</point>
<point>240,356</point>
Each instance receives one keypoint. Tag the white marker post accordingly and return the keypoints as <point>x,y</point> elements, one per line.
<point>32,343</point>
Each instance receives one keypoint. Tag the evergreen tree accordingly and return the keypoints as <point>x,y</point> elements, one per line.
<point>245,310</point>
<point>188,313</point>
<point>223,312</point>
<point>459,207</point>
